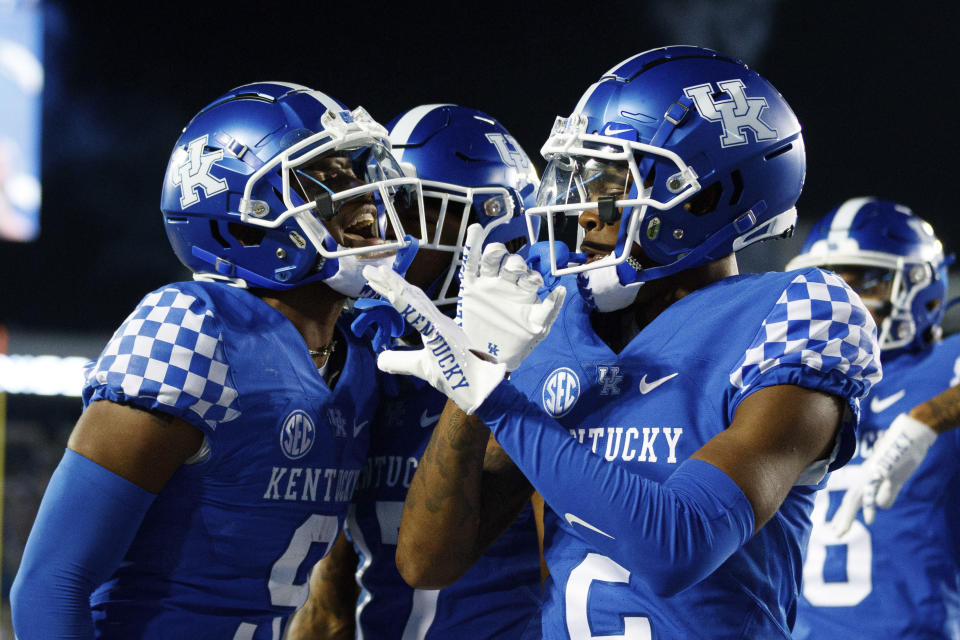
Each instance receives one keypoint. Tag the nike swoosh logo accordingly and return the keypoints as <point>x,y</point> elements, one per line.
<point>572,519</point>
<point>609,131</point>
<point>647,387</point>
<point>878,405</point>
<point>357,428</point>
<point>426,419</point>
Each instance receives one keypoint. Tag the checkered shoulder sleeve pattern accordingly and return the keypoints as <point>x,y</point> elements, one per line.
<point>168,354</point>
<point>818,323</point>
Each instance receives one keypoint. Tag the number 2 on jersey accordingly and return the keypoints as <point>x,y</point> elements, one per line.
<point>596,567</point>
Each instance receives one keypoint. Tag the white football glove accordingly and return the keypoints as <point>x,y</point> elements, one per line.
<point>896,455</point>
<point>498,306</point>
<point>445,361</point>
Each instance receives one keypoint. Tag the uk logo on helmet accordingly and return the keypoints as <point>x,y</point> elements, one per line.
<point>194,173</point>
<point>509,149</point>
<point>737,114</point>
<point>297,435</point>
<point>560,392</point>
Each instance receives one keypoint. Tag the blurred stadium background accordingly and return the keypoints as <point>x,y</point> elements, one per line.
<point>92,97</point>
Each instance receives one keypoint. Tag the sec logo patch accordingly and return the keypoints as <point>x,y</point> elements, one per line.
<point>560,392</point>
<point>297,435</point>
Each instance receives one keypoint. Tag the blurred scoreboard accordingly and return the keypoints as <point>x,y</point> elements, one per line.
<point>21,86</point>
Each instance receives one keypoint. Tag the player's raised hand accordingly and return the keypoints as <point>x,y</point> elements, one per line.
<point>498,305</point>
<point>446,361</point>
<point>896,455</point>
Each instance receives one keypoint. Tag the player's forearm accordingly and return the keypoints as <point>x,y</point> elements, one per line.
<point>86,521</point>
<point>313,621</point>
<point>671,535</point>
<point>465,493</point>
<point>441,513</point>
<point>331,606</point>
<point>942,412</point>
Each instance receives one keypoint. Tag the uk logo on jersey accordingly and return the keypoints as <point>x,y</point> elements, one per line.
<point>609,379</point>
<point>297,435</point>
<point>193,173</point>
<point>736,114</point>
<point>337,421</point>
<point>560,392</point>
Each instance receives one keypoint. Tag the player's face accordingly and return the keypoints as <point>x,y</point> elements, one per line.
<point>354,223</point>
<point>872,284</point>
<point>599,179</point>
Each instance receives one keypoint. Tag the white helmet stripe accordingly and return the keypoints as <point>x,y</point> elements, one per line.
<point>843,219</point>
<point>326,101</point>
<point>611,71</point>
<point>289,85</point>
<point>401,131</point>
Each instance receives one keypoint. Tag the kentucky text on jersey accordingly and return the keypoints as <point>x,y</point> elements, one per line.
<point>649,444</point>
<point>302,484</point>
<point>388,471</point>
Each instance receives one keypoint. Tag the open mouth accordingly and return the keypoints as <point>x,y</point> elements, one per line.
<point>360,229</point>
<point>595,252</point>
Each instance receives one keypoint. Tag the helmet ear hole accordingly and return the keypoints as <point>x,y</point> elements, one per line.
<point>933,305</point>
<point>246,235</point>
<point>706,201</point>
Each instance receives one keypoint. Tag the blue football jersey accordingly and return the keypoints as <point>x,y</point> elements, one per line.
<point>675,386</point>
<point>226,549</point>
<point>900,576</point>
<point>496,598</point>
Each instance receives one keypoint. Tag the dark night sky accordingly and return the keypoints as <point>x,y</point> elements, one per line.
<point>874,88</point>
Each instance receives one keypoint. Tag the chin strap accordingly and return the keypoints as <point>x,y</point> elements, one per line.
<point>405,255</point>
<point>239,283</point>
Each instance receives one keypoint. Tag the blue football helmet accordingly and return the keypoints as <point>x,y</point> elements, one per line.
<point>275,185</point>
<point>893,251</point>
<point>693,153</point>
<point>465,159</point>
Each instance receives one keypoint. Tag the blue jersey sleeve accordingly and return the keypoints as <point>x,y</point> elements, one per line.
<point>819,336</point>
<point>672,534</point>
<point>168,355</point>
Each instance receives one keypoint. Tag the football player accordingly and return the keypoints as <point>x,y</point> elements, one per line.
<point>472,171</point>
<point>895,573</point>
<point>678,417</point>
<point>223,430</point>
